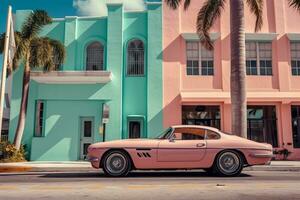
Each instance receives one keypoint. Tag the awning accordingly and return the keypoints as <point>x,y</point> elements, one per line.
<point>263,96</point>
<point>71,77</point>
<point>260,36</point>
<point>293,36</point>
<point>195,36</point>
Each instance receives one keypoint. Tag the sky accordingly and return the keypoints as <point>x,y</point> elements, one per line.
<point>61,8</point>
<point>56,8</point>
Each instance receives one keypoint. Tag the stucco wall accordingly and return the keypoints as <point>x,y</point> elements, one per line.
<point>180,89</point>
<point>125,96</point>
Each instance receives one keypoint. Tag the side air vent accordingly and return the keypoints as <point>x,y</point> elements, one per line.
<point>143,155</point>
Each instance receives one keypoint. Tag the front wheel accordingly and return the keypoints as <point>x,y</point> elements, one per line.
<point>228,163</point>
<point>116,163</point>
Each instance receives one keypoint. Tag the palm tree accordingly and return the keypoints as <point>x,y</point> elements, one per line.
<point>208,13</point>
<point>33,52</point>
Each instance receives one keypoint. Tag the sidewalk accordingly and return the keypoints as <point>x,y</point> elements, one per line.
<point>81,166</point>
<point>277,166</point>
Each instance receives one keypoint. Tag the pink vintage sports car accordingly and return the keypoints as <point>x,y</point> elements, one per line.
<point>181,147</point>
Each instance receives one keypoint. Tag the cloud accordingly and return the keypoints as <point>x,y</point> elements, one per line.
<point>98,7</point>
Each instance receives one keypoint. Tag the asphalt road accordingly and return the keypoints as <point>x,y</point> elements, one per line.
<point>150,185</point>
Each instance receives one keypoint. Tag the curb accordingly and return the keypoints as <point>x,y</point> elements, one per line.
<point>8,169</point>
<point>19,169</point>
<point>65,169</point>
<point>274,168</point>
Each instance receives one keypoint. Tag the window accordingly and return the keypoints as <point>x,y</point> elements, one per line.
<point>134,129</point>
<point>189,134</point>
<point>262,124</point>
<point>135,58</point>
<point>95,56</point>
<point>259,58</point>
<point>201,115</point>
<point>87,129</point>
<point>165,134</point>
<point>210,135</point>
<point>251,61</point>
<point>200,61</point>
<point>295,58</point>
<point>296,126</point>
<point>39,119</point>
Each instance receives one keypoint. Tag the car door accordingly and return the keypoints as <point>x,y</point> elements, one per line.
<point>186,145</point>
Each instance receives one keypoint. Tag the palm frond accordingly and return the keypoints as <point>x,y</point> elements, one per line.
<point>49,66</point>
<point>256,7</point>
<point>207,15</point>
<point>21,49</point>
<point>187,3</point>
<point>59,51</point>
<point>34,23</point>
<point>174,4</point>
<point>41,53</point>
<point>295,4</point>
<point>47,53</point>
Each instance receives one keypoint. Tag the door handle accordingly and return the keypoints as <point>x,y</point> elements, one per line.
<point>200,145</point>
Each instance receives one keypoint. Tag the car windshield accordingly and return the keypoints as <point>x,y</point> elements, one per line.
<point>165,134</point>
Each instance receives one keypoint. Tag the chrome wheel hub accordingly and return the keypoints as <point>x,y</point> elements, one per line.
<point>229,162</point>
<point>116,163</point>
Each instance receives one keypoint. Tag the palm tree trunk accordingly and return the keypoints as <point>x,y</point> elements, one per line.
<point>23,107</point>
<point>238,69</point>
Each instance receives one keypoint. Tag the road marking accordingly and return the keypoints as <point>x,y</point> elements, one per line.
<point>8,187</point>
<point>140,187</point>
<point>51,188</point>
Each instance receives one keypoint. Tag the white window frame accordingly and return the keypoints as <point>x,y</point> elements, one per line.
<point>258,58</point>
<point>296,59</point>
<point>200,59</point>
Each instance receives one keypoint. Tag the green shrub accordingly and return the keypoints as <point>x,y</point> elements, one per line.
<point>9,153</point>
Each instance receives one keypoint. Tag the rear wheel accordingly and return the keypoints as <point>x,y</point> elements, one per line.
<point>228,163</point>
<point>116,163</point>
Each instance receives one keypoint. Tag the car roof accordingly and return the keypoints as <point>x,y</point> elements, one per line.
<point>196,126</point>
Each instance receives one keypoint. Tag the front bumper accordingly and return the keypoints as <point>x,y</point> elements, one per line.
<point>93,159</point>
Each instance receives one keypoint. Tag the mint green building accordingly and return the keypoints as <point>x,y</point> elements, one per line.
<point>110,86</point>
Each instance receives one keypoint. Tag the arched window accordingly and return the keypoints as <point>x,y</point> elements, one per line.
<point>135,58</point>
<point>95,56</point>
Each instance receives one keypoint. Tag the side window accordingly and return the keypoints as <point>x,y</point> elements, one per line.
<point>189,134</point>
<point>210,135</point>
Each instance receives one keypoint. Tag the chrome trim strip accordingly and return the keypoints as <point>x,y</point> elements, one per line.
<point>208,148</point>
<point>261,155</point>
<point>93,159</point>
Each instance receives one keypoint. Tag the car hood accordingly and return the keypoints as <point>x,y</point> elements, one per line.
<point>128,143</point>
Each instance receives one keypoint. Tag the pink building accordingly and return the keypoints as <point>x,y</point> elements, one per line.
<point>197,82</point>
